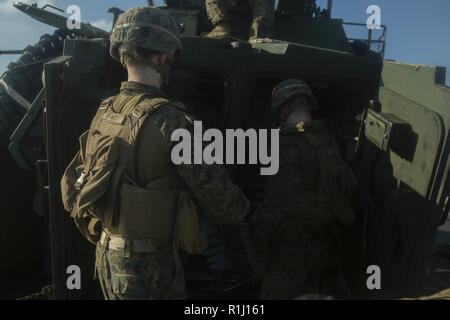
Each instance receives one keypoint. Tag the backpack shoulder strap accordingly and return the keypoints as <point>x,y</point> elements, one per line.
<point>147,104</point>
<point>107,103</point>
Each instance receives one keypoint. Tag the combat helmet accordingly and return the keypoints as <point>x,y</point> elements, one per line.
<point>147,27</point>
<point>288,89</point>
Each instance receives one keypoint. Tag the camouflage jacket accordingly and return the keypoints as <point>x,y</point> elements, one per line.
<point>217,196</point>
<point>307,192</point>
<point>291,225</point>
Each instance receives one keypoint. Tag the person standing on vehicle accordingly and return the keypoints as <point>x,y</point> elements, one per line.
<point>220,16</point>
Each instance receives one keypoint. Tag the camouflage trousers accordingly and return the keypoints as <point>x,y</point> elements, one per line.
<point>295,266</point>
<point>262,11</point>
<point>141,276</point>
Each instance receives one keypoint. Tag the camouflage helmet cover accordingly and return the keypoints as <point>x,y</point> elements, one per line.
<point>288,89</point>
<point>147,27</point>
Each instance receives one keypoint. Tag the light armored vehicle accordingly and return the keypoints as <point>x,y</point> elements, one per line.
<point>392,121</point>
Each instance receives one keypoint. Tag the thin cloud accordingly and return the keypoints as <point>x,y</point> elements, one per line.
<point>102,24</point>
<point>6,6</point>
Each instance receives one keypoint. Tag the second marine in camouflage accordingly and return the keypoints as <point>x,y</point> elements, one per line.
<point>305,203</point>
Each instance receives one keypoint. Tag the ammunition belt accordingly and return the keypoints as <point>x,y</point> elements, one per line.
<point>131,245</point>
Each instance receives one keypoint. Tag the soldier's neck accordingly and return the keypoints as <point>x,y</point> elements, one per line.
<point>144,74</point>
<point>299,114</point>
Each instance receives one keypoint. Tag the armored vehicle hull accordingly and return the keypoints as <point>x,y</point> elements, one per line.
<point>392,121</point>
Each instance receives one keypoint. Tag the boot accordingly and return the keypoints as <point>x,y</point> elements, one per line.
<point>221,30</point>
<point>261,28</point>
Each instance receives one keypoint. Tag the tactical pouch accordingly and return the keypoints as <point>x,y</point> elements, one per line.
<point>189,235</point>
<point>89,228</point>
<point>148,214</point>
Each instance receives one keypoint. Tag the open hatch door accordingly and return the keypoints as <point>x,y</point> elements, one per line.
<point>409,181</point>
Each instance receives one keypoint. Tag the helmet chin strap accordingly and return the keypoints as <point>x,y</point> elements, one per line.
<point>295,113</point>
<point>163,70</point>
<point>284,112</point>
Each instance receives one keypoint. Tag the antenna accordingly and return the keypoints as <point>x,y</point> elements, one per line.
<point>330,7</point>
<point>11,51</point>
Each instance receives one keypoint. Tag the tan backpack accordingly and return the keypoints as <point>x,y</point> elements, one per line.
<point>98,193</point>
<point>90,184</point>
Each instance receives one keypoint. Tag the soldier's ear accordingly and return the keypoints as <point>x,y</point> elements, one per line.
<point>163,58</point>
<point>159,59</point>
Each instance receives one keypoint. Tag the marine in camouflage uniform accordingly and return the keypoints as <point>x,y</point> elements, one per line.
<point>305,202</point>
<point>154,270</point>
<point>220,16</point>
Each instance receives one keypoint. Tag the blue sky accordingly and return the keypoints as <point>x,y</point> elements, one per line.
<point>418,30</point>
